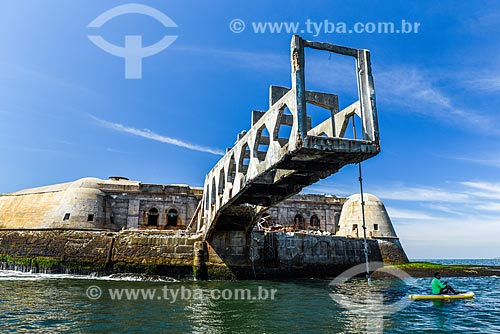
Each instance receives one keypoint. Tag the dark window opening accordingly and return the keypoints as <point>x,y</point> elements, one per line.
<point>354,227</point>
<point>172,217</point>
<point>298,222</point>
<point>314,221</point>
<point>66,216</point>
<point>375,227</point>
<point>153,217</point>
<point>90,218</point>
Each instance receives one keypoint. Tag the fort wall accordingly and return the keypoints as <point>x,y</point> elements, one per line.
<point>118,225</point>
<point>172,253</point>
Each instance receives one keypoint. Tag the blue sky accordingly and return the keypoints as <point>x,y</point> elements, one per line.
<point>66,110</point>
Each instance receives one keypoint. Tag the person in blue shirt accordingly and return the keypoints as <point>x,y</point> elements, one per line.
<point>440,288</point>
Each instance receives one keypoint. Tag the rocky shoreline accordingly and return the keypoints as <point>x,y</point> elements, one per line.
<point>427,269</point>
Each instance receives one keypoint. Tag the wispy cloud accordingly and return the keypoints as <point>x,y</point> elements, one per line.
<point>441,208</point>
<point>486,84</point>
<point>148,134</point>
<point>240,58</point>
<point>22,72</point>
<point>65,142</point>
<point>112,150</point>
<point>468,199</point>
<point>31,149</point>
<point>421,194</point>
<point>479,161</point>
<point>489,190</point>
<point>326,188</point>
<point>488,186</point>
<point>336,75</point>
<point>488,207</point>
<point>451,238</point>
<point>417,91</point>
<point>409,214</point>
<point>460,212</point>
<point>414,89</point>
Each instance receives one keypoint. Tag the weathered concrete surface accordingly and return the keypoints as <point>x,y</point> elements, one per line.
<point>378,222</point>
<point>285,149</point>
<point>229,255</point>
<point>56,250</point>
<point>119,203</point>
<point>302,208</point>
<point>159,252</point>
<point>278,254</point>
<point>378,226</point>
<point>391,250</point>
<point>46,207</point>
<point>91,203</point>
<point>156,252</point>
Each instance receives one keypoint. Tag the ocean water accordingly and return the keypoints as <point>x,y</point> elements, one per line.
<point>48,303</point>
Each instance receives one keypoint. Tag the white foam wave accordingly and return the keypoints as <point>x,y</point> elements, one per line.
<point>13,275</point>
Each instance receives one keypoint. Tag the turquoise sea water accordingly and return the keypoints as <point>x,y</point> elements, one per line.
<point>47,303</point>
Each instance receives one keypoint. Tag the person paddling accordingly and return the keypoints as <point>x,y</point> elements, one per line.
<point>439,288</point>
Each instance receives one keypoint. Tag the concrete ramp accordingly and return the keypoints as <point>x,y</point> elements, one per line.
<point>282,152</point>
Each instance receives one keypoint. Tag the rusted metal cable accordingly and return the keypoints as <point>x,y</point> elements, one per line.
<point>365,242</point>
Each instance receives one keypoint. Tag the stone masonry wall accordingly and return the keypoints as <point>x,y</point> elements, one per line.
<point>229,255</point>
<point>155,252</point>
<point>280,254</point>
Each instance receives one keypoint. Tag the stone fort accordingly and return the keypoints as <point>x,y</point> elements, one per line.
<point>119,203</point>
<point>250,219</point>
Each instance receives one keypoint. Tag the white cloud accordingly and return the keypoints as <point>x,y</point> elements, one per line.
<point>457,221</point>
<point>489,190</point>
<point>409,214</point>
<point>441,208</point>
<point>337,75</point>
<point>148,134</point>
<point>451,238</point>
<point>14,72</point>
<point>488,186</point>
<point>325,188</point>
<point>421,194</point>
<point>413,89</point>
<point>237,58</point>
<point>31,149</point>
<point>487,84</point>
<point>488,207</point>
<point>480,161</point>
<point>417,91</point>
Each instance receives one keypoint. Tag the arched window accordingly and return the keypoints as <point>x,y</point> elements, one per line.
<point>153,217</point>
<point>172,217</point>
<point>298,222</point>
<point>314,221</point>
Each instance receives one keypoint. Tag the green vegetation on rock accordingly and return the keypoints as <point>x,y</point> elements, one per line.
<point>44,263</point>
<point>428,266</point>
<point>220,272</point>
